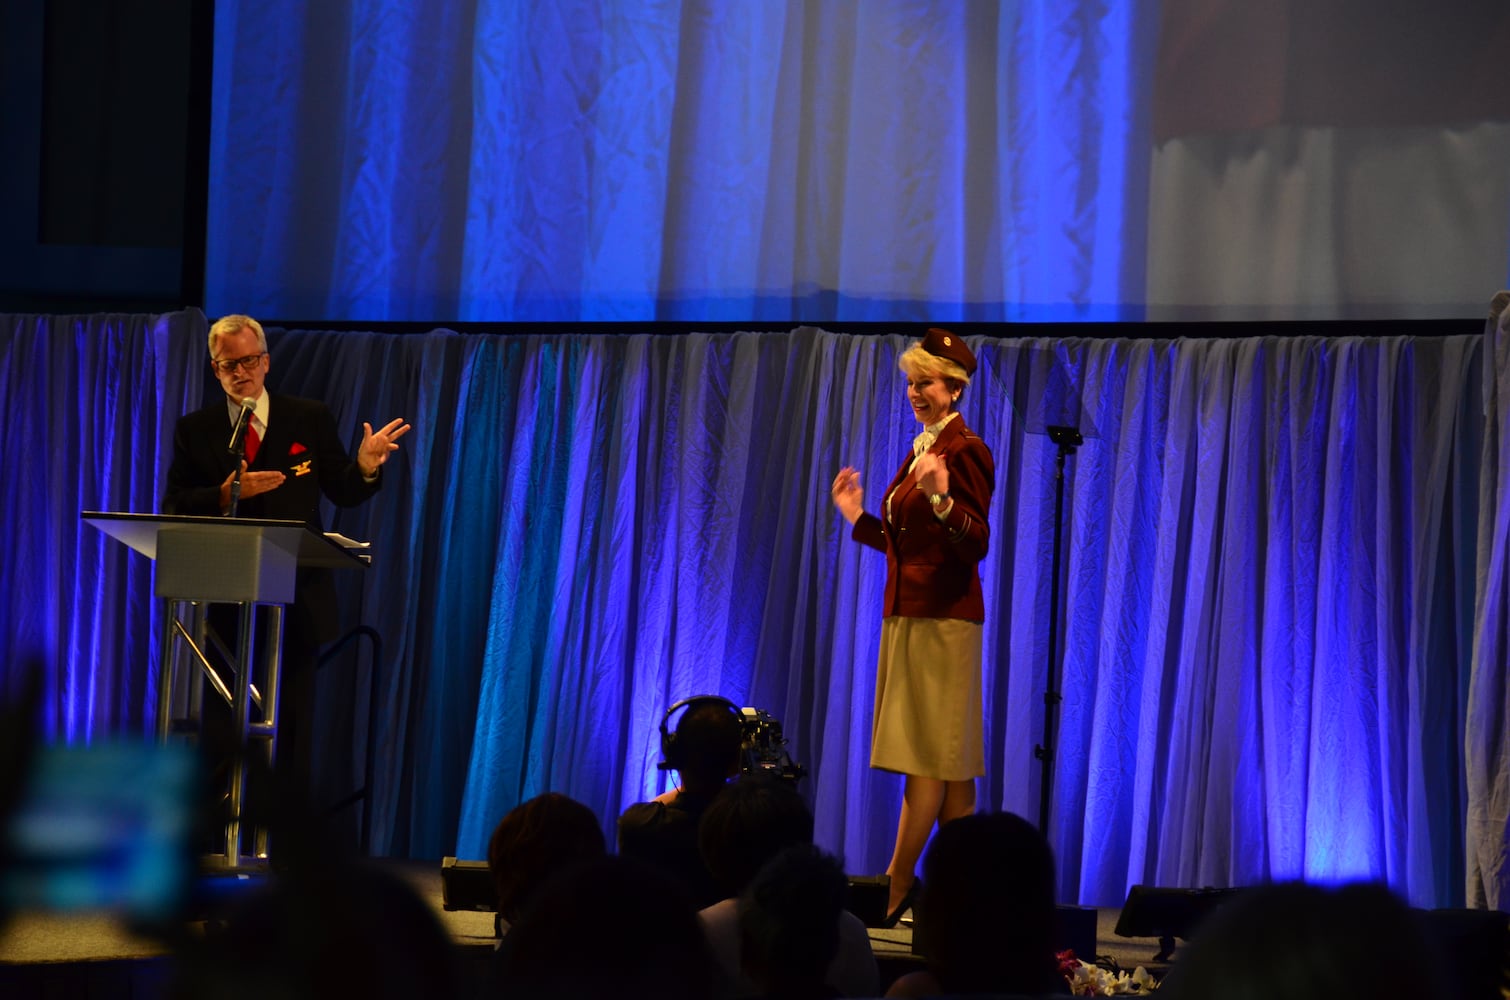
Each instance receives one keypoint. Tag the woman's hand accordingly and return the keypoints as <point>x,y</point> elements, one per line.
<point>849,498</point>
<point>932,474</point>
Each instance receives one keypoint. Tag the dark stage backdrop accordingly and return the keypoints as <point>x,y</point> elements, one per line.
<point>1277,552</point>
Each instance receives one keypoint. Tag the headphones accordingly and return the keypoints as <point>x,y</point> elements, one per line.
<point>669,754</point>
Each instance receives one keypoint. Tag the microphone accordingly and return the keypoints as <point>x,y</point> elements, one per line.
<point>238,436</point>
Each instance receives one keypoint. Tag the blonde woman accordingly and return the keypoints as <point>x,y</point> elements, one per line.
<point>932,526</point>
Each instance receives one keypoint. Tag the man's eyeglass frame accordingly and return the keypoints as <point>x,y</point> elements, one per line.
<point>229,365</point>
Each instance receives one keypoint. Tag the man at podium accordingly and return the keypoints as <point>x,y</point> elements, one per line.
<point>293,457</point>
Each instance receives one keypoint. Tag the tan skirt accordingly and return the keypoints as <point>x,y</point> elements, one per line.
<point>928,719</point>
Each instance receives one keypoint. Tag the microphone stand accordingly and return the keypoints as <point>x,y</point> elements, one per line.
<point>238,453</point>
<point>1068,439</point>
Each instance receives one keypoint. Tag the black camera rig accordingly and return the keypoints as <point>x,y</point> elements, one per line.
<point>764,750</point>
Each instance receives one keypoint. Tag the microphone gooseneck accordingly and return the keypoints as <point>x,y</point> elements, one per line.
<point>237,448</point>
<point>238,435</point>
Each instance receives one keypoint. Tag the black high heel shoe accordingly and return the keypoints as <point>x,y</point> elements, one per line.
<point>906,904</point>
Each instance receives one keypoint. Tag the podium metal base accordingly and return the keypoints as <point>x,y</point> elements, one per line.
<point>187,667</point>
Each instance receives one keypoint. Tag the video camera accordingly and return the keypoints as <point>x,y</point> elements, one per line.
<point>764,750</point>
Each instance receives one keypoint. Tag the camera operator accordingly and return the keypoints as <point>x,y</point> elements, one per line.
<point>705,752</point>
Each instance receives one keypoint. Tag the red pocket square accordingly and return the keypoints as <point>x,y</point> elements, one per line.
<point>296,449</point>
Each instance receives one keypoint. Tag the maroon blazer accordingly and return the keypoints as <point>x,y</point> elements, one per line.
<point>932,566</point>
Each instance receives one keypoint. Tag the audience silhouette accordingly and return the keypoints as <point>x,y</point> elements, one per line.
<point>340,929</point>
<point>1302,941</point>
<point>742,830</point>
<point>584,923</point>
<point>751,822</point>
<point>535,840</point>
<point>986,918</point>
<point>789,920</point>
<point>611,927</point>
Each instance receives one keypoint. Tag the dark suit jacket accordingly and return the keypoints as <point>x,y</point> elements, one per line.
<point>932,567</point>
<point>302,443</point>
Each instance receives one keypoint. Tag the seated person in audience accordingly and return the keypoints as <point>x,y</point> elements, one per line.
<point>789,919</point>
<point>1307,942</point>
<point>608,928</point>
<point>986,918</point>
<point>534,841</point>
<point>341,929</point>
<point>754,820</point>
<point>704,751</point>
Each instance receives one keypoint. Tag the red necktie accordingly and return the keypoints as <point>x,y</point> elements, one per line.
<point>252,441</point>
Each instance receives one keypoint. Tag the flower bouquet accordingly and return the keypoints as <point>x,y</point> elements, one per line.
<point>1088,980</point>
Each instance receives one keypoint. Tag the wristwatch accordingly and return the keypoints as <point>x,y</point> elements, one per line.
<point>937,498</point>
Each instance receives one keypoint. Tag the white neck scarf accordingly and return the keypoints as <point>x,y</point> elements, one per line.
<point>930,434</point>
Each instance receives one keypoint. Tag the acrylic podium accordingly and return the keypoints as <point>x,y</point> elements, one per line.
<point>219,560</point>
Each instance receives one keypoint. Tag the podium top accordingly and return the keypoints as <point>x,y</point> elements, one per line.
<point>140,531</point>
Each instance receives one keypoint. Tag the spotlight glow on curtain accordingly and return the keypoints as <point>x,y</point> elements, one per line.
<point>84,399</point>
<point>678,159</point>
<point>887,160</point>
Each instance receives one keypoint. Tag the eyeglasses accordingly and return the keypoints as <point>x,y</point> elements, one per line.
<point>229,365</point>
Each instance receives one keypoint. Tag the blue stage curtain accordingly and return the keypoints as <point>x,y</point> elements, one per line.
<point>1270,576</point>
<point>88,404</point>
<point>679,159</point>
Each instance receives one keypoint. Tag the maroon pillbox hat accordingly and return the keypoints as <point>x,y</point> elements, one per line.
<point>943,343</point>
